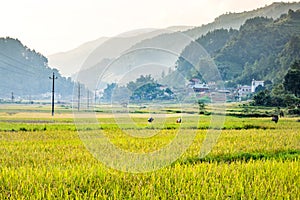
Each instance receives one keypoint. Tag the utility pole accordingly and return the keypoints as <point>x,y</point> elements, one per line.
<point>12,97</point>
<point>95,97</point>
<point>88,99</point>
<point>78,96</point>
<point>53,78</point>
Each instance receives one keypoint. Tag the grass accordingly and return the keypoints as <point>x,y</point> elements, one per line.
<point>43,158</point>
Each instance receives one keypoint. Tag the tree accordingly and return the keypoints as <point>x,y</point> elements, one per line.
<point>108,91</point>
<point>142,80</point>
<point>168,91</point>
<point>148,91</point>
<point>292,79</point>
<point>146,88</point>
<point>259,88</point>
<point>262,98</point>
<point>121,94</point>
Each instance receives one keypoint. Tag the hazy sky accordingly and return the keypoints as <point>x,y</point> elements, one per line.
<point>51,26</point>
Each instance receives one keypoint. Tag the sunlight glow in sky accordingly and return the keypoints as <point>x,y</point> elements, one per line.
<point>51,26</point>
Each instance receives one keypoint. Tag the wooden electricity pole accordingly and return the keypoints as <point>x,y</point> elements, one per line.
<point>78,97</point>
<point>88,99</point>
<point>53,78</point>
<point>12,97</point>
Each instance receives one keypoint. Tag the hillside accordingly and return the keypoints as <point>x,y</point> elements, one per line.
<point>70,62</point>
<point>226,21</point>
<point>173,41</point>
<point>263,48</point>
<point>26,72</point>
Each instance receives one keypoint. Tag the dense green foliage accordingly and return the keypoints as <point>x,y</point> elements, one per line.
<point>284,94</point>
<point>108,91</point>
<point>262,49</point>
<point>144,88</point>
<point>214,41</point>
<point>235,20</point>
<point>26,72</point>
<point>292,79</point>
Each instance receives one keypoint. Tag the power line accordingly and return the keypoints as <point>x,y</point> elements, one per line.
<point>23,63</point>
<point>15,67</point>
<point>16,60</point>
<point>9,70</point>
<point>20,62</point>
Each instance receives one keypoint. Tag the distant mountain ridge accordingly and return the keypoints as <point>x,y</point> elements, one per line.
<point>168,40</point>
<point>67,61</point>
<point>235,20</point>
<point>70,62</point>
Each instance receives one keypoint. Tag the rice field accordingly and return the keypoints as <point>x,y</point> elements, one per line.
<point>45,158</point>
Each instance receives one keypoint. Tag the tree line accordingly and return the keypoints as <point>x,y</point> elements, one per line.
<point>144,88</point>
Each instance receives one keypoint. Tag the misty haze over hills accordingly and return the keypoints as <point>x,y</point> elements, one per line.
<point>71,61</point>
<point>149,51</point>
<point>166,40</point>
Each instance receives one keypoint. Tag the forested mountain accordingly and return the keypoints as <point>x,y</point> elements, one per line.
<point>25,72</point>
<point>176,41</point>
<point>213,41</point>
<point>263,48</point>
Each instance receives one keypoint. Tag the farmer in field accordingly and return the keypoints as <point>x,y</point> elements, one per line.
<point>281,114</point>
<point>277,113</point>
<point>275,118</point>
<point>178,120</point>
<point>150,119</point>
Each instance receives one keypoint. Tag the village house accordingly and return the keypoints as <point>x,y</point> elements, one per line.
<point>255,84</point>
<point>243,91</point>
<point>197,86</point>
